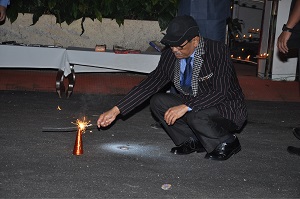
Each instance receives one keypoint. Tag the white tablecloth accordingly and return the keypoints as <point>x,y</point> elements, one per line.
<point>91,61</point>
<point>32,57</point>
<point>84,60</point>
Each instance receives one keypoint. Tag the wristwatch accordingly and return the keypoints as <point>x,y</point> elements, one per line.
<point>284,28</point>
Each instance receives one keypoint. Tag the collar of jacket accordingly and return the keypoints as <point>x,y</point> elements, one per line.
<point>198,61</point>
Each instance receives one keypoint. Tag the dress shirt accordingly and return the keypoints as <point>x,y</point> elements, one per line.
<point>183,65</point>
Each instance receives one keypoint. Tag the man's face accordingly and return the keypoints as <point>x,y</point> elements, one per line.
<point>186,49</point>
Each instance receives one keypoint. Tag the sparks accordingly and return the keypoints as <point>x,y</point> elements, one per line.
<point>82,124</point>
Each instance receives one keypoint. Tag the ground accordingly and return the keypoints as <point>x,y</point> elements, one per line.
<point>131,159</point>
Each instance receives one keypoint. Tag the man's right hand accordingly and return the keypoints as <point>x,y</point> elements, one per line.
<point>282,41</point>
<point>174,113</point>
<point>106,118</point>
<point>2,13</point>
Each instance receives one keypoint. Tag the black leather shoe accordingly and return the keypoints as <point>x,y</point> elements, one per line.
<point>189,146</point>
<point>293,150</point>
<point>224,150</point>
<point>296,132</point>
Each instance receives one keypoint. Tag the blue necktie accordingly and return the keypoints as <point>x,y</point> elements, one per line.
<point>187,75</point>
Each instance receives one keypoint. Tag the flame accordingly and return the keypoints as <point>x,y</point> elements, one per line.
<point>82,124</point>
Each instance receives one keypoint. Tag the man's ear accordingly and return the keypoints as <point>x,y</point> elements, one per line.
<point>196,41</point>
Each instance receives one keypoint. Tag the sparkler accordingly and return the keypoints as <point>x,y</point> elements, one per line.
<point>81,126</point>
<point>67,129</point>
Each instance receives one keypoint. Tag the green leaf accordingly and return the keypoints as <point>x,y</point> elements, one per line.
<point>98,15</point>
<point>12,12</point>
<point>82,8</point>
<point>36,16</point>
<point>51,4</point>
<point>120,21</point>
<point>74,10</point>
<point>154,2</point>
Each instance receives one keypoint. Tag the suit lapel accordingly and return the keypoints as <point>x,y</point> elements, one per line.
<point>198,62</point>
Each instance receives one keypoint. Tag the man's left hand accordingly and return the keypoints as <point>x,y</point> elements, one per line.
<point>174,113</point>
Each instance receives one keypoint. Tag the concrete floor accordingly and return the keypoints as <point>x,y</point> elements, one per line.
<point>37,164</point>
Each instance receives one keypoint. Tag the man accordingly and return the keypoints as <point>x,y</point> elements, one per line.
<point>210,15</point>
<point>290,39</point>
<point>290,36</point>
<point>210,104</point>
<point>3,6</point>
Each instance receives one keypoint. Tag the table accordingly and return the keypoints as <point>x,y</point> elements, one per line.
<point>87,60</point>
<point>110,61</point>
<point>74,60</point>
<point>18,56</point>
<point>13,56</point>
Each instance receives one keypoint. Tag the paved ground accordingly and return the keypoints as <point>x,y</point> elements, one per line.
<point>37,164</point>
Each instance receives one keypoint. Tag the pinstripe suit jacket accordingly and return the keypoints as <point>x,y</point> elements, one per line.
<point>214,82</point>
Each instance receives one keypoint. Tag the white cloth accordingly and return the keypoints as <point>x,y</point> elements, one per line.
<point>13,56</point>
<point>110,62</point>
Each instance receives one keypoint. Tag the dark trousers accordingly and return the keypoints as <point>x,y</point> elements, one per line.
<point>207,125</point>
<point>298,69</point>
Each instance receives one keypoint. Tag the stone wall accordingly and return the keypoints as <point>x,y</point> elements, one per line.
<point>133,34</point>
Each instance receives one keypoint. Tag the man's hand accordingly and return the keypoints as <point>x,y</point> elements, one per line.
<point>282,41</point>
<point>108,117</point>
<point>2,13</point>
<point>174,113</point>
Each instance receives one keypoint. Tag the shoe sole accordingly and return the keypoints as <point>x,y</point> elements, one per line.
<point>175,152</point>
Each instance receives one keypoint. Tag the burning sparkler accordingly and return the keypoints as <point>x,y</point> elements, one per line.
<point>81,126</point>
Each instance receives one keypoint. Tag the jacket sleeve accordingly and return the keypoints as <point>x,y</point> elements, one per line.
<point>154,82</point>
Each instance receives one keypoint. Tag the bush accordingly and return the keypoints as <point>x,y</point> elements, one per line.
<point>71,10</point>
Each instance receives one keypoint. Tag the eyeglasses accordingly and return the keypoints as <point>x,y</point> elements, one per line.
<point>182,46</point>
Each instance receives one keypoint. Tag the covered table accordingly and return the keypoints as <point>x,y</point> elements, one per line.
<point>87,60</point>
<point>19,56</point>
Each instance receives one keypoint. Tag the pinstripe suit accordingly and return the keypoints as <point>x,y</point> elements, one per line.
<point>214,83</point>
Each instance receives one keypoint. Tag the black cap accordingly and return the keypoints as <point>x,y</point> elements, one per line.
<point>179,30</point>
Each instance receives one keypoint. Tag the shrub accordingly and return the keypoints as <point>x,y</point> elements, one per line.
<point>71,10</point>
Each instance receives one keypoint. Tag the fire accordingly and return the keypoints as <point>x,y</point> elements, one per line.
<point>82,124</point>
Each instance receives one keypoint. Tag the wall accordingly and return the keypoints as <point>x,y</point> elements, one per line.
<point>251,17</point>
<point>133,34</point>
